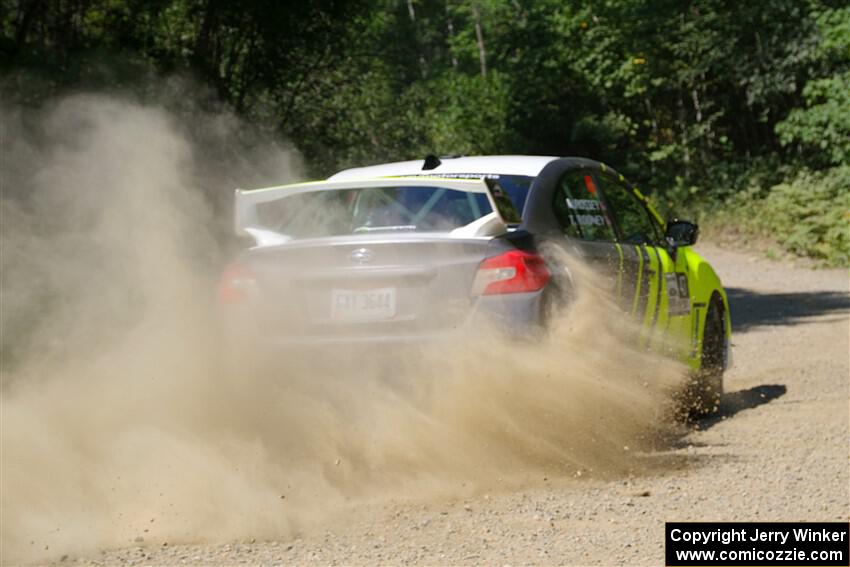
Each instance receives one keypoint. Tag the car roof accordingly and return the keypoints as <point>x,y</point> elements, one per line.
<point>500,165</point>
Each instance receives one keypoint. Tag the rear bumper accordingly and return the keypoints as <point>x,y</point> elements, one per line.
<point>516,315</point>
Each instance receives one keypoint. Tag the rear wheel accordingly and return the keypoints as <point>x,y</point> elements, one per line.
<point>557,296</point>
<point>705,388</point>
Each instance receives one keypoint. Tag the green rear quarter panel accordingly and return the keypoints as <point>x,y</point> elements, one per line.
<point>704,284</point>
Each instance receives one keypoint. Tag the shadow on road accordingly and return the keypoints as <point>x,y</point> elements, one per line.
<point>752,309</point>
<point>733,402</point>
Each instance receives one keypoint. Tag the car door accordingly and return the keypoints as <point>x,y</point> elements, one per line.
<point>654,281</point>
<point>585,221</point>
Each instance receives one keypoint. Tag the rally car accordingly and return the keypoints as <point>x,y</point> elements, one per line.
<point>424,250</point>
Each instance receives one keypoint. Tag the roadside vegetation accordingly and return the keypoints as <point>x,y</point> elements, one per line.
<point>735,112</point>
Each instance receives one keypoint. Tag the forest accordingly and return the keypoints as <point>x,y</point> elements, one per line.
<point>737,113</point>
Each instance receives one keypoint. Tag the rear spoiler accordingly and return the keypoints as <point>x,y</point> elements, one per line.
<point>247,221</point>
<point>246,201</point>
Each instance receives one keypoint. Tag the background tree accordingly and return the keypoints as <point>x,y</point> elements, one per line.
<point>695,101</point>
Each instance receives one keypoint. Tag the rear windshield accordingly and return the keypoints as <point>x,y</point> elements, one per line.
<point>372,209</point>
<point>516,186</point>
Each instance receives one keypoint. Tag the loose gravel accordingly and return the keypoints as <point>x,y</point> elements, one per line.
<point>777,452</point>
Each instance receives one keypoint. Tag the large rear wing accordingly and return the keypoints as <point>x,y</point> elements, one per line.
<point>247,219</point>
<point>246,201</point>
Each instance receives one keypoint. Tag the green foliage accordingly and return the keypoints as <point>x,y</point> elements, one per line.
<point>693,101</point>
<point>808,216</point>
<point>821,128</point>
<point>465,114</point>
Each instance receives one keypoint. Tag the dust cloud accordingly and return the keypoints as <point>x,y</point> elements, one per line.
<point>119,424</point>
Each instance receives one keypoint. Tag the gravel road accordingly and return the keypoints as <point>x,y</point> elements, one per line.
<point>777,452</point>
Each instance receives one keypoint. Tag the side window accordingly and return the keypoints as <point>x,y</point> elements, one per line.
<point>507,209</point>
<point>579,210</point>
<point>633,220</point>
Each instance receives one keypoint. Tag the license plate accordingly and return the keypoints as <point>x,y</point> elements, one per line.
<point>363,305</point>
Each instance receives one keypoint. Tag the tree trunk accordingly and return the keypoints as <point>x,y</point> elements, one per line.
<point>479,36</point>
<point>26,13</point>
<point>686,156</point>
<point>450,27</point>
<point>202,52</point>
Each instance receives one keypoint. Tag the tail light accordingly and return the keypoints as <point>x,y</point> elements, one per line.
<point>237,285</point>
<point>516,271</point>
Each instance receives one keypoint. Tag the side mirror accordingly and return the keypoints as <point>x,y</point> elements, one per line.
<point>681,233</point>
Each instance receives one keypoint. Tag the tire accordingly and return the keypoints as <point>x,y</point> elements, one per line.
<point>705,388</point>
<point>557,296</point>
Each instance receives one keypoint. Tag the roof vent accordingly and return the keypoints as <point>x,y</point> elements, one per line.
<point>431,162</point>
